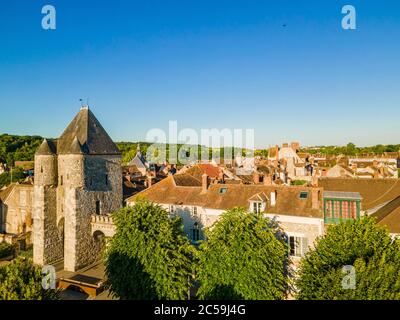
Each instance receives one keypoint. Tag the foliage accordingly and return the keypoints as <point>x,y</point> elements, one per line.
<point>149,257</point>
<point>244,257</point>
<point>17,175</point>
<point>6,249</point>
<point>18,148</point>
<point>362,244</point>
<point>299,182</point>
<point>351,149</point>
<point>21,280</point>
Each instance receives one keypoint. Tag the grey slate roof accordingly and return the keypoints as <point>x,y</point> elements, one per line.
<point>93,139</point>
<point>47,147</point>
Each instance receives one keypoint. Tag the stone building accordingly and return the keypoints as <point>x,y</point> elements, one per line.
<point>16,206</point>
<point>77,176</point>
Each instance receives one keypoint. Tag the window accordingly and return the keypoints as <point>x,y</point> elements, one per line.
<point>171,208</point>
<point>61,180</point>
<point>106,179</point>
<point>195,232</point>
<point>298,246</point>
<point>194,210</point>
<point>303,195</point>
<point>98,211</point>
<point>257,207</point>
<point>223,190</point>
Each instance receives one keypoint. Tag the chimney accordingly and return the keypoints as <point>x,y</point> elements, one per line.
<point>204,182</point>
<point>256,177</point>
<point>354,166</point>
<point>273,198</point>
<point>314,181</point>
<point>267,180</point>
<point>315,197</point>
<point>221,176</point>
<point>149,181</point>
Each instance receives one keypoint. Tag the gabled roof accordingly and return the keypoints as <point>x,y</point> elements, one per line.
<point>259,197</point>
<point>288,201</point>
<point>91,135</point>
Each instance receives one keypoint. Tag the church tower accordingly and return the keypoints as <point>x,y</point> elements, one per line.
<point>88,181</point>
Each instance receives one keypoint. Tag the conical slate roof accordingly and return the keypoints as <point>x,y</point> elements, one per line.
<point>90,135</point>
<point>76,147</point>
<point>46,148</point>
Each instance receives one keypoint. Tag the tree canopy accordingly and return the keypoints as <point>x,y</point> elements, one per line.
<point>16,176</point>
<point>360,244</point>
<point>244,257</point>
<point>149,257</point>
<point>21,280</point>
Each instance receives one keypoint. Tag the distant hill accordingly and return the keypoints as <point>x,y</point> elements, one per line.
<point>22,148</point>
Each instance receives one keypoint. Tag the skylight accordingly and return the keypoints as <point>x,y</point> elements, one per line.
<point>223,190</point>
<point>303,195</point>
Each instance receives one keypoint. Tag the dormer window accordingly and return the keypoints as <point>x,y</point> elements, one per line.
<point>257,207</point>
<point>223,190</point>
<point>258,202</point>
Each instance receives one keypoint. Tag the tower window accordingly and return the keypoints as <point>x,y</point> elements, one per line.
<point>41,169</point>
<point>106,179</point>
<point>61,180</point>
<point>98,207</point>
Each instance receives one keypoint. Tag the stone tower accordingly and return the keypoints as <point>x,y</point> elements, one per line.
<point>75,178</point>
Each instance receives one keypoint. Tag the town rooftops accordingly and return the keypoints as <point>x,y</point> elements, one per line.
<point>227,196</point>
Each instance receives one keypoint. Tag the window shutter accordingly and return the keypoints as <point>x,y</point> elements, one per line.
<point>304,245</point>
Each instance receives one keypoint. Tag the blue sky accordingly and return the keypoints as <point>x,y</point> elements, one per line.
<point>207,64</point>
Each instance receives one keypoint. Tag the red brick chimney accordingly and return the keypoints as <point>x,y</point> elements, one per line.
<point>256,177</point>
<point>267,180</point>
<point>205,182</point>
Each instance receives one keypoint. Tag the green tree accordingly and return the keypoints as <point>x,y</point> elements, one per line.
<point>244,257</point>
<point>361,244</point>
<point>16,176</point>
<point>149,257</point>
<point>6,249</point>
<point>21,280</point>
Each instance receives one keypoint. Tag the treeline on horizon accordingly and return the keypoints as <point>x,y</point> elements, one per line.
<point>22,148</point>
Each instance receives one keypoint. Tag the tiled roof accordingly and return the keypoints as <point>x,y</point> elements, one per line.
<point>288,201</point>
<point>373,191</point>
<point>389,215</point>
<point>185,179</point>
